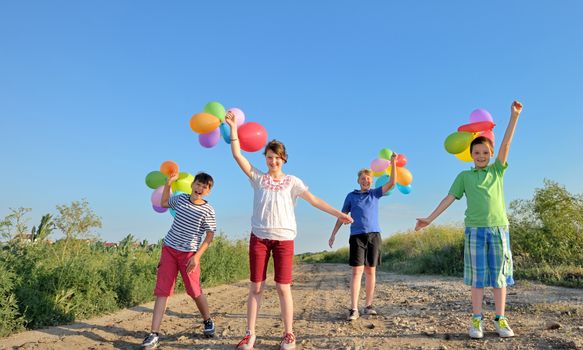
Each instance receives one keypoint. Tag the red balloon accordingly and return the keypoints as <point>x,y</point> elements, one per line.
<point>252,136</point>
<point>401,160</point>
<point>477,127</point>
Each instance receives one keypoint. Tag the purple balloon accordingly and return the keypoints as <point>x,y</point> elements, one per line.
<point>239,115</point>
<point>156,197</point>
<point>210,139</point>
<point>480,115</point>
<point>158,209</point>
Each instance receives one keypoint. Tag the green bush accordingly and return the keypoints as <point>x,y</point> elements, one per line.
<point>50,284</point>
<point>435,250</point>
<point>10,318</point>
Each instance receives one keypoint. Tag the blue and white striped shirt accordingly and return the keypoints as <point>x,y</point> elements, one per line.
<point>191,222</point>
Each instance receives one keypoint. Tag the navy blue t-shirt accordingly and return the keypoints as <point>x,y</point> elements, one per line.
<point>364,209</point>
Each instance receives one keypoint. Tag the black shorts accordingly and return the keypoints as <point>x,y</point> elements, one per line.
<point>365,249</point>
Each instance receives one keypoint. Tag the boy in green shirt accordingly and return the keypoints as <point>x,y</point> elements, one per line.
<point>487,256</point>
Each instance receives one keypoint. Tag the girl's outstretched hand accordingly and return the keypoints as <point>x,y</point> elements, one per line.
<point>421,223</point>
<point>345,219</point>
<point>230,119</point>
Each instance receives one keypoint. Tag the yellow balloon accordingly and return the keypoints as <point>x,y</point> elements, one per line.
<point>465,156</point>
<point>378,173</point>
<point>203,123</point>
<point>404,177</point>
<point>388,170</point>
<point>183,183</point>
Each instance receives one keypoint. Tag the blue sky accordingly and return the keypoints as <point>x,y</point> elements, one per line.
<point>94,95</point>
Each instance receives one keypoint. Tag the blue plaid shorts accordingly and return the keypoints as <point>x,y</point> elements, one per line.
<point>487,257</point>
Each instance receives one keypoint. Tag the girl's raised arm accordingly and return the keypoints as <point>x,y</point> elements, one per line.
<point>235,145</point>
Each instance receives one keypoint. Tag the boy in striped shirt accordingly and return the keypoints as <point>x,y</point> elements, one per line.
<point>182,251</point>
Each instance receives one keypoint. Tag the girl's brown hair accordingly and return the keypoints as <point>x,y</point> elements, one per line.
<point>278,148</point>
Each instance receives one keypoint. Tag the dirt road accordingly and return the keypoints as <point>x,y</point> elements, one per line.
<point>415,312</point>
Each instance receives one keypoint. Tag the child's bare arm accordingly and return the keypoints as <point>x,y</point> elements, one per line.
<point>444,204</point>
<point>166,192</point>
<point>393,179</point>
<point>195,259</point>
<point>509,134</point>
<point>334,232</point>
<point>236,146</point>
<point>325,207</point>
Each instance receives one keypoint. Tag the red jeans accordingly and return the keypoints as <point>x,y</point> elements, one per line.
<point>283,258</point>
<point>172,261</point>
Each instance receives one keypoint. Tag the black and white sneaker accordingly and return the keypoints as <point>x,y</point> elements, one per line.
<point>209,328</point>
<point>151,341</point>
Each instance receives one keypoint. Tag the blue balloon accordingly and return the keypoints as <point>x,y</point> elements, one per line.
<point>381,181</point>
<point>404,189</point>
<point>226,133</point>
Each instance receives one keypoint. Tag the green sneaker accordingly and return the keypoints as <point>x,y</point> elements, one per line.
<point>476,330</point>
<point>503,329</point>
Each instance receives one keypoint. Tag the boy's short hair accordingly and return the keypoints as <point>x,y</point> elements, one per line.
<point>365,171</point>
<point>482,140</point>
<point>204,179</point>
<point>278,148</point>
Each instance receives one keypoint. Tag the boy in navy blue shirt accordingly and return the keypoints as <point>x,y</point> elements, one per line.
<point>365,235</point>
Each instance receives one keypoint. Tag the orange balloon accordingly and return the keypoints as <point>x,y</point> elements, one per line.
<point>404,177</point>
<point>168,168</point>
<point>203,123</point>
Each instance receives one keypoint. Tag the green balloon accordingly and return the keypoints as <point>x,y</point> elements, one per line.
<point>458,142</point>
<point>385,153</point>
<point>155,179</point>
<point>216,109</point>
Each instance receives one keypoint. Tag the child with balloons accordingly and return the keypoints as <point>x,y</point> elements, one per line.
<point>182,250</point>
<point>487,255</point>
<point>365,235</point>
<point>273,230</point>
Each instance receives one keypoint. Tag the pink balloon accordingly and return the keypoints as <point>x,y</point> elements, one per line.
<point>480,115</point>
<point>156,197</point>
<point>210,139</point>
<point>379,164</point>
<point>239,115</point>
<point>159,209</point>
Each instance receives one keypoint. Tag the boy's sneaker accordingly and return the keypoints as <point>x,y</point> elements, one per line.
<point>247,343</point>
<point>369,310</point>
<point>288,342</point>
<point>151,341</point>
<point>209,328</point>
<point>503,329</point>
<point>476,330</point>
<point>353,315</point>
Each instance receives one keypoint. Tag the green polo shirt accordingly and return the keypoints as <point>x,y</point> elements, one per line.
<point>484,190</point>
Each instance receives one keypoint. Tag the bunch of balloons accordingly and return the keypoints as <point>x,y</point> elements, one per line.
<point>381,168</point>
<point>458,143</point>
<point>210,125</point>
<point>157,179</point>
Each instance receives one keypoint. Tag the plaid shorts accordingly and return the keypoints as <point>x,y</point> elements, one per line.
<point>487,257</point>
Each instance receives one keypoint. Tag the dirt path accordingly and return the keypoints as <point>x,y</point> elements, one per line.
<point>415,312</point>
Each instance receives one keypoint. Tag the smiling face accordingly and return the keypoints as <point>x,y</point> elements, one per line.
<point>199,190</point>
<point>481,154</point>
<point>365,181</point>
<point>273,161</point>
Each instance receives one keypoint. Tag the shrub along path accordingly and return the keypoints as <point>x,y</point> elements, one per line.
<point>415,312</point>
